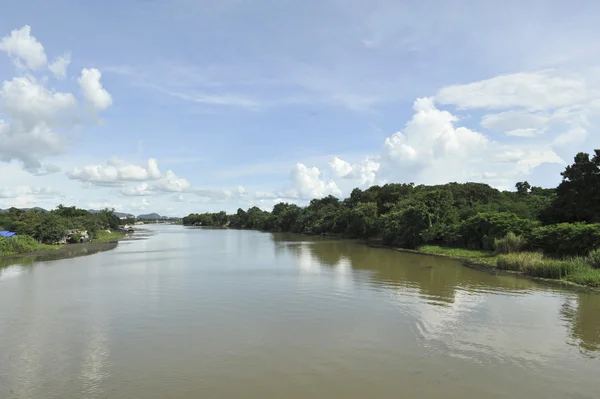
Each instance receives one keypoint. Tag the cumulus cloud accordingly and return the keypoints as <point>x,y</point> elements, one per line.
<point>59,66</point>
<point>308,183</point>
<point>137,190</point>
<point>171,183</point>
<point>363,173</point>
<point>31,114</point>
<point>434,149</point>
<point>93,92</point>
<point>24,49</point>
<point>116,172</point>
<point>430,149</point>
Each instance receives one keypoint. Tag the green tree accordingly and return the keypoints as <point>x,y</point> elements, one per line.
<point>578,195</point>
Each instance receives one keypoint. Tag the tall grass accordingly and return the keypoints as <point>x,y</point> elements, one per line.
<point>20,244</point>
<point>594,258</point>
<point>576,269</point>
<point>519,261</point>
<point>511,243</point>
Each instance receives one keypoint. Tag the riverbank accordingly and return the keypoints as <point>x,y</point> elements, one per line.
<point>23,244</point>
<point>574,273</point>
<point>104,236</point>
<point>42,252</point>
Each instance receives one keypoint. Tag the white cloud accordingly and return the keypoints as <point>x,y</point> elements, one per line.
<point>432,150</point>
<point>22,191</point>
<point>340,167</point>
<point>116,172</point>
<point>533,91</point>
<point>517,122</point>
<point>28,103</point>
<point>59,66</point>
<point>24,48</point>
<point>93,92</point>
<point>364,172</point>
<point>31,114</point>
<point>171,183</point>
<point>141,189</point>
<point>308,184</point>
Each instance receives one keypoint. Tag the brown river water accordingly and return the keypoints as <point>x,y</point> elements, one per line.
<point>207,313</point>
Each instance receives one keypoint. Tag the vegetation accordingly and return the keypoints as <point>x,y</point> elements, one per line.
<point>560,223</point>
<point>39,230</point>
<point>576,269</point>
<point>510,244</point>
<point>21,244</point>
<point>105,236</point>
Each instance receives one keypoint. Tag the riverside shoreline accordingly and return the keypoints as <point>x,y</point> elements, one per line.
<point>487,264</point>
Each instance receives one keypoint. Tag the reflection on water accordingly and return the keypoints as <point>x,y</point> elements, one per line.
<point>227,314</point>
<point>453,291</point>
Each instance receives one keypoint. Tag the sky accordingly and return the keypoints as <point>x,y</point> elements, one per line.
<point>186,106</point>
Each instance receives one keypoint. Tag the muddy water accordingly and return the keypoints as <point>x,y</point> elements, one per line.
<point>228,314</point>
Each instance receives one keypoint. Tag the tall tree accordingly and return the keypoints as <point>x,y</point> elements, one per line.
<point>578,195</point>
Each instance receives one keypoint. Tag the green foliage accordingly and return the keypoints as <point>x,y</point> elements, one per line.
<point>593,258</point>
<point>578,195</point>
<point>50,227</point>
<point>509,244</point>
<point>566,239</point>
<point>20,244</point>
<point>471,217</point>
<point>585,276</point>
<point>206,219</point>
<point>480,231</point>
<point>75,238</point>
<point>536,265</point>
<point>105,236</point>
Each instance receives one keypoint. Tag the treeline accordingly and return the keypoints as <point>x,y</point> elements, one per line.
<point>560,222</point>
<point>50,227</point>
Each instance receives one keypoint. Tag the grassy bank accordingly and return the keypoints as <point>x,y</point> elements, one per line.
<point>471,255</point>
<point>103,236</point>
<point>22,244</point>
<point>578,270</point>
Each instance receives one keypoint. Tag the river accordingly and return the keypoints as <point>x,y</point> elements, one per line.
<point>208,313</point>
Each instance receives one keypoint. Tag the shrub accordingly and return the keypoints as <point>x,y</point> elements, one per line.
<point>585,276</point>
<point>509,244</point>
<point>481,230</point>
<point>18,244</point>
<point>566,239</point>
<point>534,264</point>
<point>593,258</point>
<point>519,261</point>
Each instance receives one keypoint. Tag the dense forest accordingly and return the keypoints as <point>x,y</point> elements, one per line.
<point>49,227</point>
<point>561,222</point>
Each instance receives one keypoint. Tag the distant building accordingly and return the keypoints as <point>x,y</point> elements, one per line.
<point>75,237</point>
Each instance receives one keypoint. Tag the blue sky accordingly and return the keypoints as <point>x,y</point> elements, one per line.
<point>179,106</point>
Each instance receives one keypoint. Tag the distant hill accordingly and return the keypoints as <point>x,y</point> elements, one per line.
<point>152,216</point>
<point>37,208</point>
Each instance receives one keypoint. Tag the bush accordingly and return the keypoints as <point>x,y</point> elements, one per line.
<point>566,239</point>
<point>585,276</point>
<point>593,258</point>
<point>534,264</point>
<point>509,244</point>
<point>481,230</point>
<point>18,244</point>
<point>519,261</point>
